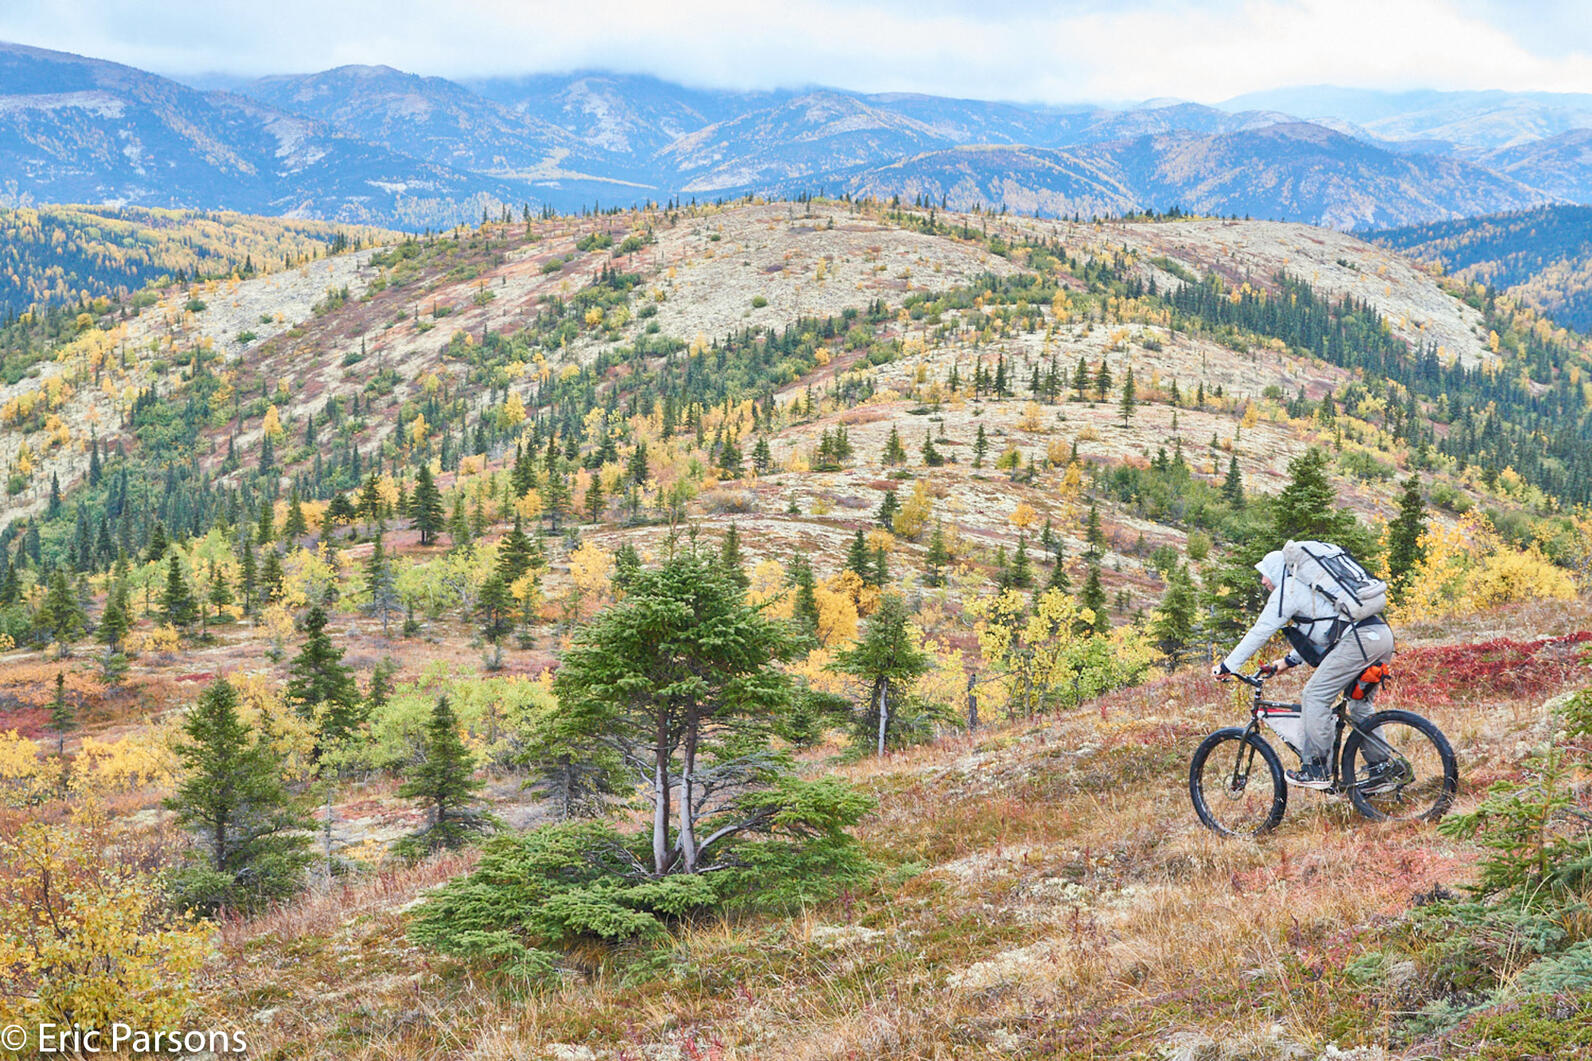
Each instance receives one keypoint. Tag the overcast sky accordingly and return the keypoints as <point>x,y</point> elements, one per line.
<point>1027,50</point>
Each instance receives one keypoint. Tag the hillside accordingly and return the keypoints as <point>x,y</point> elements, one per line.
<point>1543,257</point>
<point>65,255</point>
<point>385,485</point>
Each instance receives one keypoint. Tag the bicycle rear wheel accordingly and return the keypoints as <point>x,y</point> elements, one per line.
<point>1423,777</point>
<point>1236,783</point>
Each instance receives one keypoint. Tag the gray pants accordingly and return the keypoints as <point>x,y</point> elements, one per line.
<point>1351,655</point>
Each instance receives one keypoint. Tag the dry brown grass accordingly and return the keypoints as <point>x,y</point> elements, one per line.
<point>1045,891</point>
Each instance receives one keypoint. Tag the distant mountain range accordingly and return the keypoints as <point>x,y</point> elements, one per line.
<point>377,145</point>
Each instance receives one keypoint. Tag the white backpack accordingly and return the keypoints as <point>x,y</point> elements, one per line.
<point>1355,593</point>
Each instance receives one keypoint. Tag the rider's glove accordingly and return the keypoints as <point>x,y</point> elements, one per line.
<point>1220,671</point>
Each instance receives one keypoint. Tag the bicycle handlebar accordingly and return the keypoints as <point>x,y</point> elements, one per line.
<point>1249,679</point>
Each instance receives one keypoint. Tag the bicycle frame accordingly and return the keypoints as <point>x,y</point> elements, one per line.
<point>1286,720</point>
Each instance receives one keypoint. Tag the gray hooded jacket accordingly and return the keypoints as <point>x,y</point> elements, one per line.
<point>1294,601</point>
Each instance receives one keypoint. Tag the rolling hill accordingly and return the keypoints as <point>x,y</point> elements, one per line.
<point>1031,431</point>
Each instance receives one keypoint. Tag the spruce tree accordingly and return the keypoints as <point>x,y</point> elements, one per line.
<point>63,714</point>
<point>858,557</point>
<point>1130,397</point>
<point>887,660</point>
<point>233,796</point>
<point>1021,572</point>
<point>425,507</point>
<point>1233,485</point>
<point>177,606</point>
<point>61,616</point>
<point>116,619</point>
<point>800,575</point>
<point>894,451</point>
<point>296,526</point>
<point>1405,550</point>
<point>730,557</point>
<point>889,505</point>
<point>445,783</point>
<point>320,686</point>
<point>980,447</point>
<point>495,608</point>
<point>1173,625</point>
<point>1094,598</point>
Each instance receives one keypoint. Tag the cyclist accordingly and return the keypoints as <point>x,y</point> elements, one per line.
<point>1340,651</point>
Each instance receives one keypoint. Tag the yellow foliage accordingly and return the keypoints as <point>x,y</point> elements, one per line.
<point>1023,516</point>
<point>23,776</point>
<point>123,765</point>
<point>1469,567</point>
<point>83,936</point>
<point>160,639</point>
<point>768,590</point>
<point>837,616</point>
<point>1033,417</point>
<point>914,513</point>
<point>272,425</point>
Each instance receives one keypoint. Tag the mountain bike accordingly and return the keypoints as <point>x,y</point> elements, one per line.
<point>1394,766</point>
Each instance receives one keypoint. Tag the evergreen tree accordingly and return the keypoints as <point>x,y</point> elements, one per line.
<point>248,576</point>
<point>805,608</point>
<point>859,558</point>
<point>730,459</point>
<point>220,594</point>
<point>1129,397</point>
<point>272,575</point>
<point>594,499</point>
<point>425,507</point>
<point>116,619</point>
<point>1102,381</point>
<point>730,557</point>
<point>382,583</point>
<point>894,451</point>
<point>63,714</point>
<point>1233,485</point>
<point>931,456</point>
<point>445,784</point>
<point>1021,573</point>
<point>1094,598</point>
<point>320,686</point>
<point>980,447</point>
<point>889,505</point>
<point>265,523</point>
<point>495,608</point>
<point>232,794</point>
<point>61,615</point>
<point>296,526</point>
<point>157,544</point>
<point>177,605</point>
<point>887,660</point>
<point>517,553</point>
<point>1405,550</point>
<point>1173,625</point>
<point>762,457</point>
<point>682,676</point>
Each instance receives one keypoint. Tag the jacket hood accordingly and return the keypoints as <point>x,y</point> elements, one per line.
<point>1272,567</point>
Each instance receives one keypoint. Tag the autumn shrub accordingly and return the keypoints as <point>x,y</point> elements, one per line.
<point>84,934</point>
<point>1470,567</point>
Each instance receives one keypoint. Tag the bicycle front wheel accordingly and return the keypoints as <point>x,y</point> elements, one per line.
<point>1236,783</point>
<point>1402,769</point>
